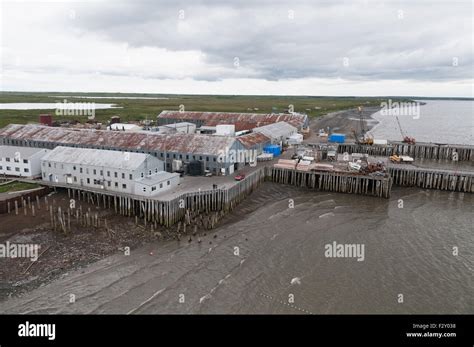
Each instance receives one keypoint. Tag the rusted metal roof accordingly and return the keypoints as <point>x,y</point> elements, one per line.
<point>177,143</point>
<point>253,139</point>
<point>242,121</point>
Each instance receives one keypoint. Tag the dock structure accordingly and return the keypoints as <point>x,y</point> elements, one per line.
<point>340,182</point>
<point>450,180</point>
<point>417,151</point>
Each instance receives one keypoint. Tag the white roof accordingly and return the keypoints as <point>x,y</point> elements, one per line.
<point>126,126</point>
<point>276,129</point>
<point>25,152</point>
<point>97,157</point>
<point>156,178</point>
<point>180,125</point>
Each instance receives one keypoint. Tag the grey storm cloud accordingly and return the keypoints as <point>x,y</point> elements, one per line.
<point>360,40</point>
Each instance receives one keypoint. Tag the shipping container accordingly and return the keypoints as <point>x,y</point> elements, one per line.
<point>337,138</point>
<point>274,149</point>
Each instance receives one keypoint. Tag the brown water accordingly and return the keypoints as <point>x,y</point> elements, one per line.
<point>281,253</point>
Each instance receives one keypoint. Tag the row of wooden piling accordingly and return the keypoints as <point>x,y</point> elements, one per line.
<point>433,179</point>
<point>418,151</point>
<point>379,186</point>
<point>169,212</point>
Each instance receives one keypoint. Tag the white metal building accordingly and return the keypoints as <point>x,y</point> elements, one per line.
<point>277,132</point>
<point>101,169</point>
<point>21,161</point>
<point>157,183</point>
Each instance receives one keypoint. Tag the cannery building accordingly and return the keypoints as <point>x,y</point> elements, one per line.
<point>115,171</point>
<point>21,161</point>
<point>211,151</point>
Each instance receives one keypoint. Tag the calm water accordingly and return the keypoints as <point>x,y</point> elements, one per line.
<point>440,121</point>
<point>281,252</point>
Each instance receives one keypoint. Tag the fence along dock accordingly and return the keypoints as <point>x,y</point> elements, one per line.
<point>409,176</point>
<point>419,150</point>
<point>339,182</point>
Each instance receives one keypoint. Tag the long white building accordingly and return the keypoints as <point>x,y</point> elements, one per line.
<point>21,161</point>
<point>123,172</point>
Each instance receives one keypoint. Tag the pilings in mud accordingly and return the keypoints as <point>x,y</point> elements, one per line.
<point>334,182</point>
<point>433,179</point>
<point>182,207</point>
<point>419,150</point>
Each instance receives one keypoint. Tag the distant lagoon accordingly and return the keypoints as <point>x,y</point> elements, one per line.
<point>53,106</point>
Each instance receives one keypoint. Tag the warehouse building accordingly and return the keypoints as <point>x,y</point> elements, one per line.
<point>279,133</point>
<point>242,121</point>
<point>166,147</point>
<point>253,143</point>
<point>21,161</point>
<point>122,172</point>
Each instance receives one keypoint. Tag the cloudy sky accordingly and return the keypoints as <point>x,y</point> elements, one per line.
<point>416,47</point>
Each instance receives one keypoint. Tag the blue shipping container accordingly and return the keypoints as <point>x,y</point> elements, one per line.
<point>274,149</point>
<point>338,138</point>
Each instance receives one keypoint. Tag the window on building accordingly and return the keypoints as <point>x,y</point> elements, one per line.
<point>167,155</point>
<point>124,186</point>
<point>95,172</point>
<point>26,170</point>
<point>75,179</point>
<point>187,156</point>
<point>200,158</point>
<point>87,171</point>
<point>161,155</point>
<point>142,175</point>
<point>161,185</point>
<point>123,176</point>
<point>144,189</point>
<point>80,170</point>
<point>149,172</point>
<point>108,183</point>
<point>168,183</point>
<point>49,164</point>
<point>116,184</point>
<point>156,170</point>
<point>7,159</point>
<point>115,174</point>
<point>17,169</point>
<point>16,160</point>
<point>74,167</point>
<point>88,181</point>
<point>102,172</point>
<point>9,168</point>
<point>25,161</point>
<point>174,156</point>
<point>1,168</point>
<point>108,173</point>
<point>153,188</point>
<point>214,159</point>
<point>130,176</point>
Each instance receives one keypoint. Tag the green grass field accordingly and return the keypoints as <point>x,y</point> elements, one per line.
<point>138,109</point>
<point>17,186</point>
